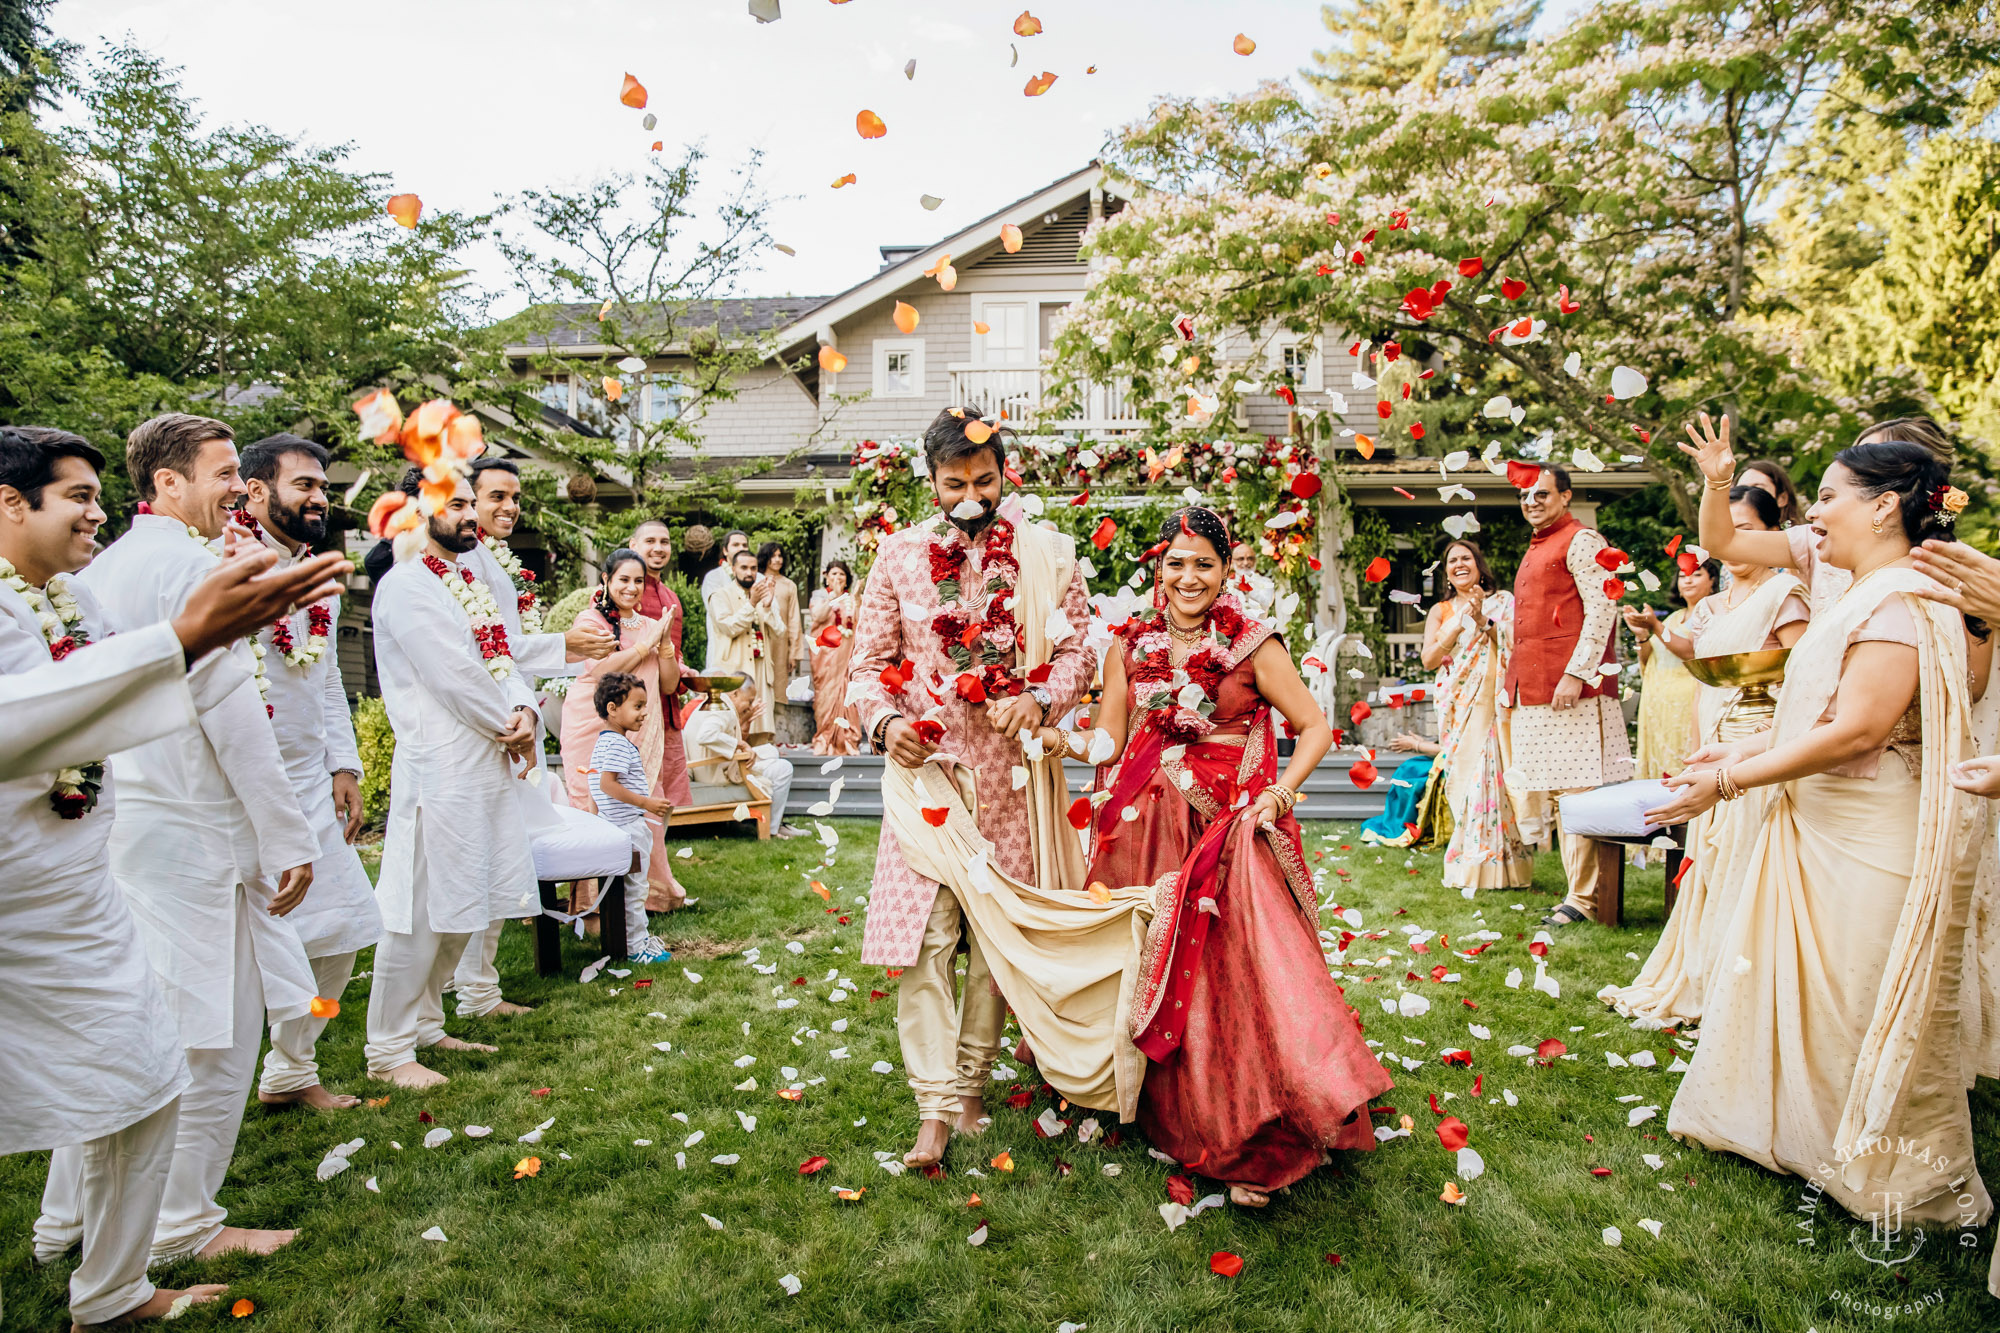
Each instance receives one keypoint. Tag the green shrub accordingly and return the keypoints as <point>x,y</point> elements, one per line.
<point>558,618</point>
<point>378,750</point>
<point>694,636</point>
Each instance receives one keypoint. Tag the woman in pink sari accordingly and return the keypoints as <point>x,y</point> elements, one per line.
<point>1257,1064</point>
<point>836,723</point>
<point>643,651</point>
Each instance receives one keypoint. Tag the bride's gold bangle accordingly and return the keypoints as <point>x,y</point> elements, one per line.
<point>1715,485</point>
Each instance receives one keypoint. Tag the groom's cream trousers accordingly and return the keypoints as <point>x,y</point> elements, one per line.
<point>949,1041</point>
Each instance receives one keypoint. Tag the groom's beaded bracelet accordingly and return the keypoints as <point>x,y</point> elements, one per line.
<point>882,730</point>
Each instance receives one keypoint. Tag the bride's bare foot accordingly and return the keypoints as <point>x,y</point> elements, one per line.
<point>972,1118</point>
<point>317,1097</point>
<point>508,1009</point>
<point>1023,1052</point>
<point>1245,1197</point>
<point>411,1075</point>
<point>932,1135</point>
<point>455,1044</point>
<point>243,1240</point>
<point>162,1301</point>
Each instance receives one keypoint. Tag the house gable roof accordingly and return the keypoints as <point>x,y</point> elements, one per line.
<point>573,329</point>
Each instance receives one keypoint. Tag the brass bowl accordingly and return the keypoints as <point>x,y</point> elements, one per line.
<point>1734,670</point>
<point>714,686</point>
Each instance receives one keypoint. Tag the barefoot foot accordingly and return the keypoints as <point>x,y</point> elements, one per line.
<point>1245,1197</point>
<point>411,1075</point>
<point>243,1240</point>
<point>932,1135</point>
<point>455,1044</point>
<point>972,1118</point>
<point>162,1301</point>
<point>507,1009</point>
<point>316,1097</point>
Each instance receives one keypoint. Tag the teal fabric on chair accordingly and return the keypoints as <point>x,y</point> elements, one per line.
<point>1406,789</point>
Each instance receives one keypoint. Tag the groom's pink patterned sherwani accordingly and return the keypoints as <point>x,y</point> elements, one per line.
<point>898,603</point>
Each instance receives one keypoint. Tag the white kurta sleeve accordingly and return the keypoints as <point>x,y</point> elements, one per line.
<point>733,616</point>
<point>112,695</point>
<point>343,753</point>
<point>541,655</point>
<point>1600,613</point>
<point>239,731</point>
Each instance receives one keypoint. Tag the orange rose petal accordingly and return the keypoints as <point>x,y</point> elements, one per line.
<point>1010,238</point>
<point>848,179</point>
<point>613,390</point>
<point>832,360</point>
<point>980,326</point>
<point>658,144</point>
<point>527,1166</point>
<point>906,317</point>
<point>1027,25</point>
<point>632,93</point>
<point>977,432</point>
<point>1099,892</point>
<point>1242,46</point>
<point>464,437</point>
<point>322,1008</point>
<point>386,504</point>
<point>405,208</point>
<point>792,1094</point>
<point>1039,84</point>
<point>381,416</point>
<point>869,125</point>
<point>243,1308</point>
<point>1004,1162</point>
<point>1364,444</point>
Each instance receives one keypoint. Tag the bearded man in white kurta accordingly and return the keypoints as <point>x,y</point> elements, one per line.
<point>210,847</point>
<point>286,511</point>
<point>743,635</point>
<point>456,857</point>
<point>496,499</point>
<point>90,1058</point>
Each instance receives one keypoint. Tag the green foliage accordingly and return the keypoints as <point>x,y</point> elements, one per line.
<point>1392,44</point>
<point>562,613</point>
<point>377,744</point>
<point>694,617</point>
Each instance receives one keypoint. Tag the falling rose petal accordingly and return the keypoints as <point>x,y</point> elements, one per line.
<point>405,208</point>
<point>1522,476</point>
<point>1242,46</point>
<point>937,816</point>
<point>633,93</point>
<point>1378,569</point>
<point>910,70</point>
<point>905,317</point>
<point>848,179</point>
<point>1626,382</point>
<point>325,1008</point>
<point>869,125</point>
<point>1453,1194</point>
<point>977,432</point>
<point>1027,25</point>
<point>1614,588</point>
<point>1362,774</point>
<point>1039,84</point>
<point>613,390</point>
<point>1105,532</point>
<point>981,327</point>
<point>1222,1263</point>
<point>1513,289</point>
<point>930,202</point>
<point>1471,268</point>
<point>1004,1162</point>
<point>831,359</point>
<point>1306,485</point>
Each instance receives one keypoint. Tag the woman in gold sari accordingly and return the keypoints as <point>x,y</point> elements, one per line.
<point>1667,692</point>
<point>836,724</point>
<point>1831,1023</point>
<point>1762,608</point>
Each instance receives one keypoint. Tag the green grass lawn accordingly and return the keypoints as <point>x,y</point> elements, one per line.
<point>610,1234</point>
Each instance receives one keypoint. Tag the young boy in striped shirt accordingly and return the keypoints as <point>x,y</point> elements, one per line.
<point>618,785</point>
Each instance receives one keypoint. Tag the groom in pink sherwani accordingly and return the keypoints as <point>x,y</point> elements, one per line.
<point>940,598</point>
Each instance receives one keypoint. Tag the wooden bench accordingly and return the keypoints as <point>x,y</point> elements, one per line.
<point>1611,872</point>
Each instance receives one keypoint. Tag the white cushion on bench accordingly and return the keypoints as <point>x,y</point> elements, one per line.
<point>581,846</point>
<point>1616,811</point>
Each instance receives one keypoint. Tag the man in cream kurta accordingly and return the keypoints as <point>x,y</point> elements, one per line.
<point>456,857</point>
<point>90,1058</point>
<point>743,635</point>
<point>287,510</point>
<point>210,849</point>
<point>496,499</point>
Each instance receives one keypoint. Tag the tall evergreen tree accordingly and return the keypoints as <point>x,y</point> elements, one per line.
<point>1389,44</point>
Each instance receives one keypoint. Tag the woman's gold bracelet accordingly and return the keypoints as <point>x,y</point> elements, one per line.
<point>1725,785</point>
<point>1715,485</point>
<point>1287,798</point>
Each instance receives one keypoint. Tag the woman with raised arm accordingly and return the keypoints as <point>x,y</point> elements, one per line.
<point>1258,1066</point>
<point>1795,548</point>
<point>836,723</point>
<point>1467,640</point>
<point>1667,692</point>
<point>644,651</point>
<point>1831,1023</point>
<point>1763,608</point>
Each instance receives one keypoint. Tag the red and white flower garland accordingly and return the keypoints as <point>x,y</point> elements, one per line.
<point>1177,700</point>
<point>525,600</point>
<point>319,616</point>
<point>488,630</point>
<point>75,792</point>
<point>256,648</point>
<point>982,648</point>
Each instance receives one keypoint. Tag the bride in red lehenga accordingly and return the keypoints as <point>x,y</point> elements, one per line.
<point>1257,1065</point>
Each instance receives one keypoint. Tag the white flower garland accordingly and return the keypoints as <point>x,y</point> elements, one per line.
<point>256,647</point>
<point>476,600</point>
<point>526,601</point>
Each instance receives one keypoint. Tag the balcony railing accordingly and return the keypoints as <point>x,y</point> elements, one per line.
<point>1018,392</point>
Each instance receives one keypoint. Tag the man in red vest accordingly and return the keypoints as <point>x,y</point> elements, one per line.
<point>1568,733</point>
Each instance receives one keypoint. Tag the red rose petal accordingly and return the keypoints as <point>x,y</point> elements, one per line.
<point>1225,1264</point>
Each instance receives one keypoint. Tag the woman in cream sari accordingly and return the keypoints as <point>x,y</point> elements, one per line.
<point>1762,608</point>
<point>1832,1020</point>
<point>1470,636</point>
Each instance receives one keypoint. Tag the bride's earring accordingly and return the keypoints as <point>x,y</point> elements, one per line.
<point>1159,594</point>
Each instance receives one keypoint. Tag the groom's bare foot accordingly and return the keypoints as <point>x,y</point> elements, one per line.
<point>317,1097</point>
<point>932,1135</point>
<point>411,1075</point>
<point>455,1044</point>
<point>243,1240</point>
<point>162,1301</point>
<point>972,1118</point>
<point>1245,1197</point>
<point>508,1009</point>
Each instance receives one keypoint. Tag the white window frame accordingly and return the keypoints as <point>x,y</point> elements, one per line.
<point>880,366</point>
<point>1314,378</point>
<point>646,385</point>
<point>1034,301</point>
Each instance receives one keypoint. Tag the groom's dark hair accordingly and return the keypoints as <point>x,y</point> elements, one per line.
<point>28,457</point>
<point>945,442</point>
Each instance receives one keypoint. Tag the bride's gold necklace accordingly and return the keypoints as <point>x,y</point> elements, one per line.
<point>1188,636</point>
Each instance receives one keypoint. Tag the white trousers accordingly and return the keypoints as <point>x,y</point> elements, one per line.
<point>112,1186</point>
<point>289,1065</point>
<point>477,980</point>
<point>211,1113</point>
<point>406,996</point>
<point>775,772</point>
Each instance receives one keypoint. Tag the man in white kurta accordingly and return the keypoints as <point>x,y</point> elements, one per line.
<point>287,509</point>
<point>89,1057</point>
<point>716,578</point>
<point>717,752</point>
<point>210,849</point>
<point>743,635</point>
<point>456,857</point>
<point>496,499</point>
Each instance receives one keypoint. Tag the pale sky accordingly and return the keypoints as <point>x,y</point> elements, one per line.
<point>466,101</point>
